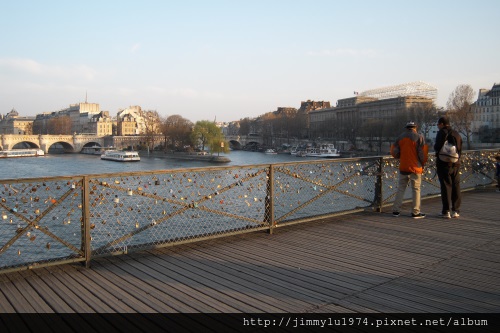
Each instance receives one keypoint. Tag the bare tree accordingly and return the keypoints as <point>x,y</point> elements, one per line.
<point>460,111</point>
<point>268,123</point>
<point>425,115</point>
<point>349,128</point>
<point>59,125</point>
<point>176,131</point>
<point>245,126</point>
<point>152,126</point>
<point>372,131</point>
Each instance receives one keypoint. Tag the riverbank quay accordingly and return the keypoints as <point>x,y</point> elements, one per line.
<point>194,156</point>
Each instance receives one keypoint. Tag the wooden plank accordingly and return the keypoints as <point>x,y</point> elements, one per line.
<point>300,291</point>
<point>134,304</point>
<point>66,296</point>
<point>327,258</point>
<point>353,255</point>
<point>16,299</point>
<point>180,289</point>
<point>280,266</point>
<point>177,295</point>
<point>437,293</point>
<point>478,298</point>
<point>206,277</point>
<point>31,295</point>
<point>5,306</point>
<point>136,287</point>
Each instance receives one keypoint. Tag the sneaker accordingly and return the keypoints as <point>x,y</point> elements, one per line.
<point>455,215</point>
<point>418,216</point>
<point>395,214</point>
<point>445,215</point>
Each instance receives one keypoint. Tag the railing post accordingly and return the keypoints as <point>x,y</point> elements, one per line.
<point>269,206</point>
<point>377,204</point>
<point>86,221</point>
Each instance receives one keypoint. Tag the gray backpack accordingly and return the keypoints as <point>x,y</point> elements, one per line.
<point>449,151</point>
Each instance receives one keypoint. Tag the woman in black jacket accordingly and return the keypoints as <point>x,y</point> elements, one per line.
<point>448,172</point>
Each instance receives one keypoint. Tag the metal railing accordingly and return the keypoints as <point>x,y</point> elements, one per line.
<point>72,219</point>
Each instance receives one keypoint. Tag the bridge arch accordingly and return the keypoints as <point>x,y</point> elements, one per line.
<point>239,142</point>
<point>91,144</point>
<point>66,147</point>
<point>234,144</point>
<point>23,145</point>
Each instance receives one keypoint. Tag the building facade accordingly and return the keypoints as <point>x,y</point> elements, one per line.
<point>375,106</point>
<point>12,123</point>
<point>486,127</point>
<point>101,124</point>
<point>80,118</point>
<point>130,121</point>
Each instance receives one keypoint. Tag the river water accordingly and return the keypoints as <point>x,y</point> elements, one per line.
<point>80,164</point>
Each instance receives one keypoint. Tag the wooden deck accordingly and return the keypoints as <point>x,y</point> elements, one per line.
<point>363,262</point>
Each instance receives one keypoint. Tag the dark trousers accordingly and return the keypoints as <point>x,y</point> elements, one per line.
<point>449,178</point>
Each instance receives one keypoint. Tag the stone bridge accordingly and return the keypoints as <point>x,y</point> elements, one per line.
<point>75,143</point>
<point>70,143</point>
<point>238,141</point>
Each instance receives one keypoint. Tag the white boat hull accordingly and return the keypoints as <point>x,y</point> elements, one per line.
<point>323,151</point>
<point>120,156</point>
<point>21,153</point>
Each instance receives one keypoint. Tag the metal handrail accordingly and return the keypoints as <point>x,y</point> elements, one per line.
<point>57,220</point>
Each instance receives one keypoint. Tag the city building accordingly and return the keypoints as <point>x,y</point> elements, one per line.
<point>306,107</point>
<point>417,88</point>
<point>382,104</point>
<point>130,121</point>
<point>12,123</point>
<point>78,118</point>
<point>486,127</point>
<point>101,124</point>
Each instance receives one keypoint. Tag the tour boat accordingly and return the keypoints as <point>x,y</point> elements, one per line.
<point>324,150</point>
<point>121,156</point>
<point>21,153</point>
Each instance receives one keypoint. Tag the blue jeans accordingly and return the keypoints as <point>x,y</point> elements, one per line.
<point>416,181</point>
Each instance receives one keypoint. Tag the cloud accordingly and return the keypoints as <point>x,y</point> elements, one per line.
<point>358,53</point>
<point>34,68</point>
<point>135,47</point>
<point>21,65</point>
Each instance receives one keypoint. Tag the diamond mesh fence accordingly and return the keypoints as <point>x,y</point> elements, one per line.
<point>477,169</point>
<point>155,209</point>
<point>321,188</point>
<point>41,221</point>
<point>48,221</point>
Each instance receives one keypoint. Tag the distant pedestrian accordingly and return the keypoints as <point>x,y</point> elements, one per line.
<point>497,164</point>
<point>449,172</point>
<point>411,150</point>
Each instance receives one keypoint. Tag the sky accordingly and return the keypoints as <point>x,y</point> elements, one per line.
<point>228,60</point>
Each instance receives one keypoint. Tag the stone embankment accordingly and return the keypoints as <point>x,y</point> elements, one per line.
<point>188,156</point>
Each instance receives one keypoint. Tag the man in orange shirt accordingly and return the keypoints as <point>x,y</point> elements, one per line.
<point>411,150</point>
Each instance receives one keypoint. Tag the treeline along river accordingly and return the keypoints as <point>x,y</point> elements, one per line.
<point>53,165</point>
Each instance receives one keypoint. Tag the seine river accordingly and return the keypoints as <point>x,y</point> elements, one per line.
<point>81,164</point>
